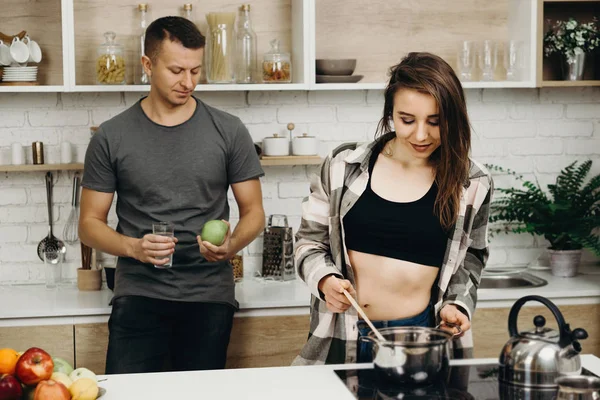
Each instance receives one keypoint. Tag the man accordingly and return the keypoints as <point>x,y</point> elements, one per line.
<point>170,157</point>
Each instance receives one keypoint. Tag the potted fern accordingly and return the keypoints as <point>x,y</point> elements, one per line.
<point>568,216</point>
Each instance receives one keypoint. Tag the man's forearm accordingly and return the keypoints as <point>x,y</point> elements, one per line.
<point>247,229</point>
<point>98,235</point>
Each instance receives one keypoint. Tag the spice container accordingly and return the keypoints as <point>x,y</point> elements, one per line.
<point>305,145</point>
<point>276,146</point>
<point>276,66</point>
<point>110,64</point>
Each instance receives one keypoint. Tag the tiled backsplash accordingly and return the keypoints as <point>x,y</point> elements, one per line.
<point>535,132</point>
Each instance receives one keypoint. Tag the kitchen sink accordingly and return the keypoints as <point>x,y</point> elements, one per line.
<point>507,279</point>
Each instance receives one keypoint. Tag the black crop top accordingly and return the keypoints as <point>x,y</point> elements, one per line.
<point>405,231</point>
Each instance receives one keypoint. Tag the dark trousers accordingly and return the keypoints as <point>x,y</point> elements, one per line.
<point>152,335</point>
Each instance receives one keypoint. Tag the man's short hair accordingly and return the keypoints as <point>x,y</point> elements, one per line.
<point>176,29</point>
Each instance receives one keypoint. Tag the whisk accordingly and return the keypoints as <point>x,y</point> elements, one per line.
<point>70,233</point>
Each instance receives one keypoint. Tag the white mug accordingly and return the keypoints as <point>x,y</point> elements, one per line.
<point>18,157</point>
<point>19,50</point>
<point>5,58</point>
<point>35,53</point>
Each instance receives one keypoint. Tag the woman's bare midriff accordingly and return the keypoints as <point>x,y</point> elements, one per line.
<point>388,288</point>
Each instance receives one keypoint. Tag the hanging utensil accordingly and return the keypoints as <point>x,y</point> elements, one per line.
<point>50,242</point>
<point>70,233</point>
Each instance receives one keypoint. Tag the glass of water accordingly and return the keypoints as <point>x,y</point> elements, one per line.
<point>53,260</point>
<point>164,229</point>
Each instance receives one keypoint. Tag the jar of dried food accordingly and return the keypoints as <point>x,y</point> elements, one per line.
<point>110,62</point>
<point>276,66</point>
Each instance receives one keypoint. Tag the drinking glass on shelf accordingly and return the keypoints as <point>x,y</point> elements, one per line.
<point>513,59</point>
<point>53,259</point>
<point>488,59</point>
<point>466,60</point>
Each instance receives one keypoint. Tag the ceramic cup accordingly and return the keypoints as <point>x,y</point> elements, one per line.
<point>5,58</point>
<point>19,51</point>
<point>35,53</point>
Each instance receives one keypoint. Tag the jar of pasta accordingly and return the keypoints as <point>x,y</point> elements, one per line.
<point>276,65</point>
<point>110,62</point>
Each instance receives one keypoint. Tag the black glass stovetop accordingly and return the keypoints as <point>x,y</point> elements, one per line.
<point>466,382</point>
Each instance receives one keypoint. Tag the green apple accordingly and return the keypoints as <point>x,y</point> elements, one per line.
<point>82,373</point>
<point>214,232</point>
<point>60,365</point>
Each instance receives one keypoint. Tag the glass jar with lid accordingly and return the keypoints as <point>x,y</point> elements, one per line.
<point>110,61</point>
<point>276,65</point>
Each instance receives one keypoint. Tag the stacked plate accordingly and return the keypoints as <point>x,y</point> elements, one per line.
<point>19,74</point>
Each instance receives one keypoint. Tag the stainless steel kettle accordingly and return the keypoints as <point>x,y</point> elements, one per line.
<point>536,358</point>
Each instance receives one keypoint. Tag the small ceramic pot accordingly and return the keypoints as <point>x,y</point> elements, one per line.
<point>305,145</point>
<point>276,146</point>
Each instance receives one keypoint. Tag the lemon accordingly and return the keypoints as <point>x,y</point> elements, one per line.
<point>84,389</point>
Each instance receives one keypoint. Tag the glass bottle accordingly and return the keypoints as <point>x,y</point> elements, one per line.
<point>220,48</point>
<point>188,12</point>
<point>110,62</point>
<point>141,78</point>
<point>276,66</point>
<point>245,62</point>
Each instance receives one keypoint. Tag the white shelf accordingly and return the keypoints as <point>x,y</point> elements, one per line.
<point>199,88</point>
<point>522,25</point>
<point>39,88</point>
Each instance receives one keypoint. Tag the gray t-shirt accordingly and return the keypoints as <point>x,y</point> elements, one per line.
<point>179,174</point>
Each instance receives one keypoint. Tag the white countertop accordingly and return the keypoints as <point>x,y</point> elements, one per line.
<point>260,297</point>
<point>289,383</point>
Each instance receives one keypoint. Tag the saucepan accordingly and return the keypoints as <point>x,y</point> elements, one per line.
<point>412,354</point>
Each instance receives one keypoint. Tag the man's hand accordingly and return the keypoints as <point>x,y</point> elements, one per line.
<point>216,253</point>
<point>154,249</point>
<point>333,289</point>
<point>452,318</point>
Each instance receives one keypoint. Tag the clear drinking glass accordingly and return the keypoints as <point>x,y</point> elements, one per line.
<point>488,60</point>
<point>466,60</point>
<point>53,260</point>
<point>513,59</point>
<point>164,229</point>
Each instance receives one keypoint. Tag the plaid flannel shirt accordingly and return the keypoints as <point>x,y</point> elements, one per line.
<point>320,251</point>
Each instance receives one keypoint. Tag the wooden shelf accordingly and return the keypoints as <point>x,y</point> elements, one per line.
<point>569,83</point>
<point>41,167</point>
<point>290,160</point>
<point>265,161</point>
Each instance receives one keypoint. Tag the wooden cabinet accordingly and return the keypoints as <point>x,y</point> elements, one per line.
<point>255,342</point>
<point>55,339</point>
<point>91,342</point>
<point>266,341</point>
<point>490,326</point>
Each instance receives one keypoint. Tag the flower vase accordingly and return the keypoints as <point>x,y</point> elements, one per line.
<point>573,67</point>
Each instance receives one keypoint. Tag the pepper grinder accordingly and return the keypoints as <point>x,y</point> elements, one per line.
<point>290,128</point>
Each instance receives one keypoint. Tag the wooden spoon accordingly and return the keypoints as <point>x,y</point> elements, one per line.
<point>364,316</point>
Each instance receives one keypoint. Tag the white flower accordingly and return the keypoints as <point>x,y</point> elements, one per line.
<point>571,24</point>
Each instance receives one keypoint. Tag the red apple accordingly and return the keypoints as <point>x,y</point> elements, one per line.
<point>10,388</point>
<point>51,390</point>
<point>34,365</point>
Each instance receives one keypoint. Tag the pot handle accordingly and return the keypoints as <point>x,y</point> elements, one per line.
<point>452,326</point>
<point>563,327</point>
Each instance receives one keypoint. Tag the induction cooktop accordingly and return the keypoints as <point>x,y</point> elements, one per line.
<point>466,382</point>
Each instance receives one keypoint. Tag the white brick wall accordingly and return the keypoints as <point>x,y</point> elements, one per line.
<point>534,132</point>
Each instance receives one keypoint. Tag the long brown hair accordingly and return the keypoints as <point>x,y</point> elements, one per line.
<point>428,73</point>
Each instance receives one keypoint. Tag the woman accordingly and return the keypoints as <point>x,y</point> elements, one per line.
<point>400,223</point>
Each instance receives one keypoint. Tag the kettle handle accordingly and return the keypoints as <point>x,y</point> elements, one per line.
<point>563,327</point>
